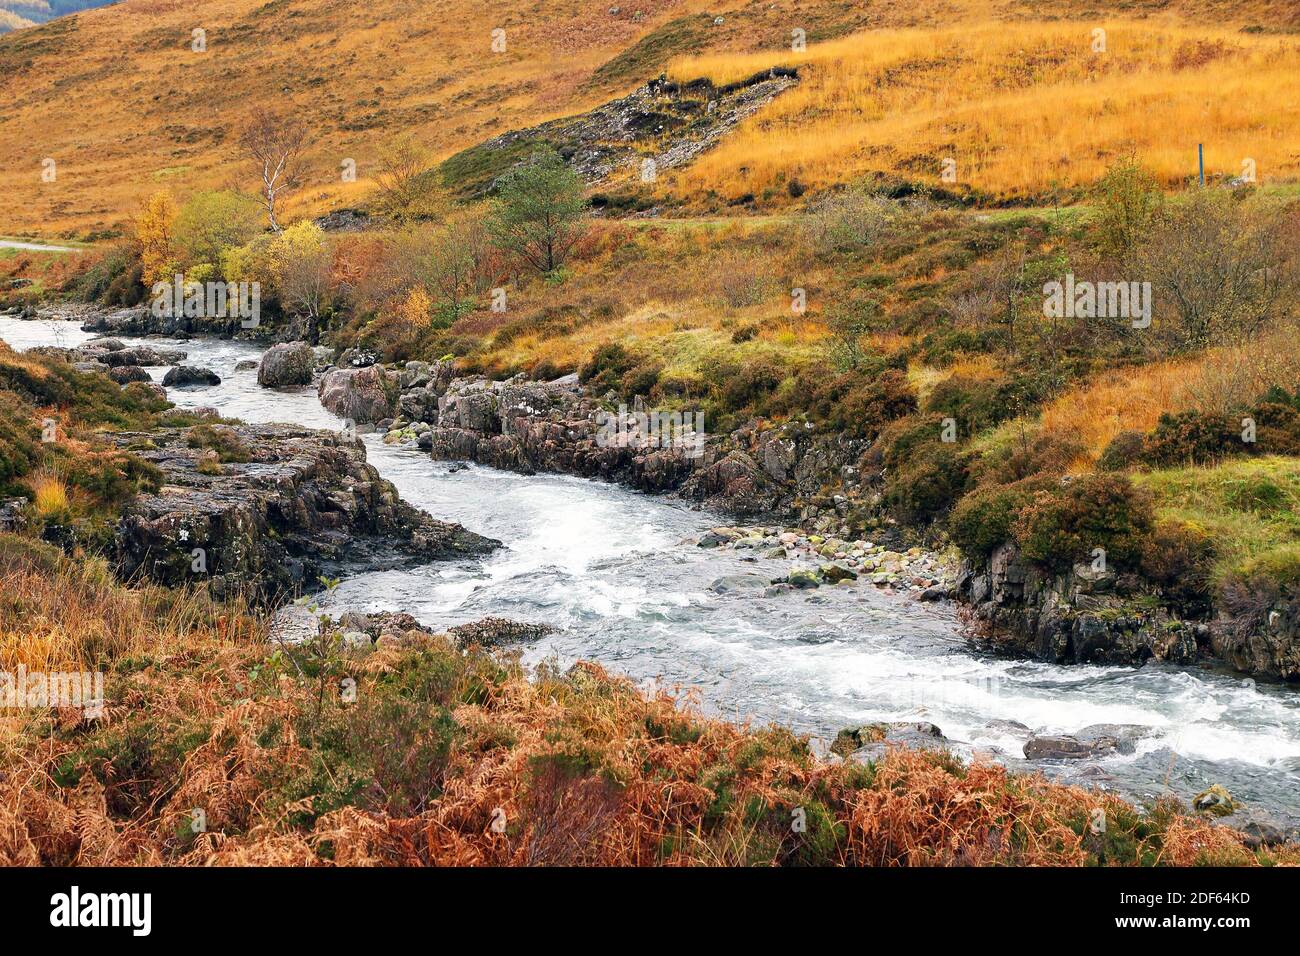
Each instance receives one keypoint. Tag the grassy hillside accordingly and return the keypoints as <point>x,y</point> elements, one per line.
<point>1025,111</point>
<point>121,103</point>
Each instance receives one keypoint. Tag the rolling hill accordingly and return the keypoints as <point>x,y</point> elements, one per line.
<point>129,97</point>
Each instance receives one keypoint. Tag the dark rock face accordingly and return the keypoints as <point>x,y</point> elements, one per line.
<point>529,427</point>
<point>1082,616</point>
<point>182,376</point>
<point>306,503</point>
<point>364,395</point>
<point>141,320</point>
<point>673,122</point>
<point>1259,632</point>
<point>286,365</point>
<point>13,514</point>
<point>344,220</point>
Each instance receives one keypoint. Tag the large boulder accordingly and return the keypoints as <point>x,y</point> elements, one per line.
<point>1095,740</point>
<point>181,376</point>
<point>124,374</point>
<point>287,364</point>
<point>364,395</point>
<point>138,355</point>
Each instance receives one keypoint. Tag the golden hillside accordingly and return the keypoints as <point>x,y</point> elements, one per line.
<point>121,103</point>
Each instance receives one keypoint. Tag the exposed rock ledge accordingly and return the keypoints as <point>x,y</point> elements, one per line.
<point>1082,616</point>
<point>306,503</point>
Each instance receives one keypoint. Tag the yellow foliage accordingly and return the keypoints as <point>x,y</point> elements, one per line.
<point>50,496</point>
<point>416,306</point>
<point>153,233</point>
<point>1023,109</point>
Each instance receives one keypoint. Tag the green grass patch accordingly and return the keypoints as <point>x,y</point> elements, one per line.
<point>649,55</point>
<point>470,173</point>
<point>1250,507</point>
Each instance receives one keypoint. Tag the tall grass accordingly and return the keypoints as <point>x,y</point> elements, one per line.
<point>1025,109</point>
<point>1218,381</point>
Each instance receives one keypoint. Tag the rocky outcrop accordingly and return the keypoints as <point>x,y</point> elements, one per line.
<point>304,504</point>
<point>1082,616</point>
<point>141,320</point>
<point>363,395</point>
<point>668,123</point>
<point>285,365</point>
<point>870,742</point>
<point>102,354</point>
<point>1258,630</point>
<point>126,374</point>
<point>497,632</point>
<point>187,376</point>
<point>529,427</point>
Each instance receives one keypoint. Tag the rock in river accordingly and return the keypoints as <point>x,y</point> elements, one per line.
<point>305,503</point>
<point>181,376</point>
<point>364,395</point>
<point>286,365</point>
<point>1096,740</point>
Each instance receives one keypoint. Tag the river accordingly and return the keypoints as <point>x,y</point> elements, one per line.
<point>615,571</point>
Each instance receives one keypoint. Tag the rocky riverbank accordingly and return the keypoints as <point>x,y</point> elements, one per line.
<point>816,561</point>
<point>1084,616</point>
<point>267,510</point>
<point>526,426</point>
<point>816,482</point>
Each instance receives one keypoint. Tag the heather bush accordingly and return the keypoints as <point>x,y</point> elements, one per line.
<point>1179,558</point>
<point>1063,526</point>
<point>983,520</point>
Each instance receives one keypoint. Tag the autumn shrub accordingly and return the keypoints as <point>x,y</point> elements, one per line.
<point>929,483</point>
<point>605,370</point>
<point>748,386</point>
<point>1063,526</point>
<point>857,404</point>
<point>1123,452</point>
<point>1179,558</point>
<point>1192,437</point>
<point>1036,452</point>
<point>983,520</point>
<point>974,405</point>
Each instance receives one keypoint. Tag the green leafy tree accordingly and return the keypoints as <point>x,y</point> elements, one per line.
<point>213,221</point>
<point>539,212</point>
<point>1128,199</point>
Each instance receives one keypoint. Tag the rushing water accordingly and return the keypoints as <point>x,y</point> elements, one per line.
<point>611,569</point>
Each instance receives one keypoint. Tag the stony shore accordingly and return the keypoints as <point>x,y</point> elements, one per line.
<point>817,561</point>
